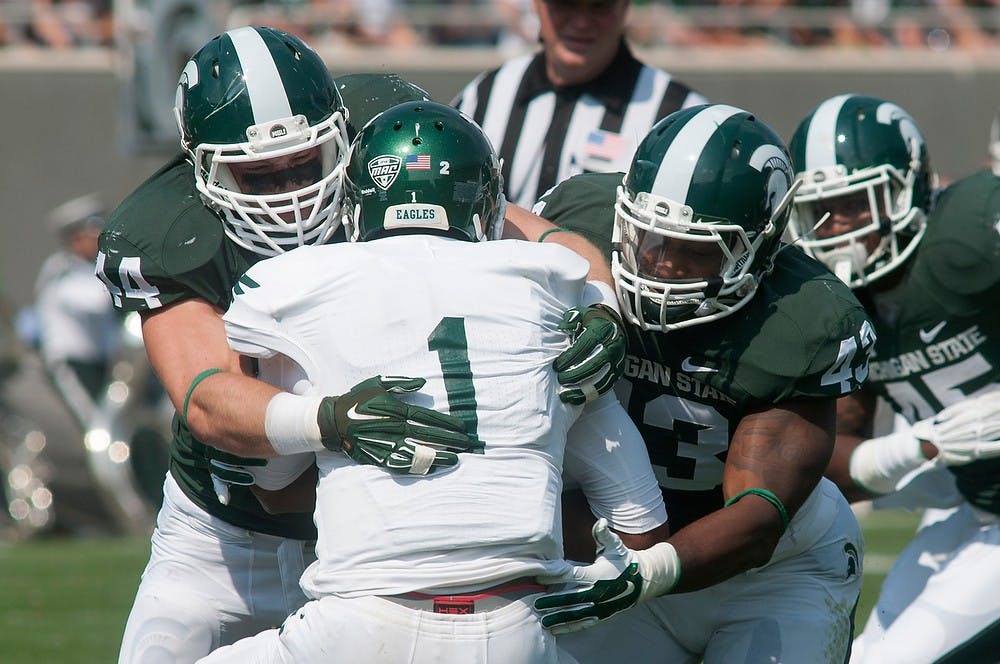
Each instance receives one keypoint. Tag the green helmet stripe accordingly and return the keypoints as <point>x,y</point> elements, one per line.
<point>821,144</point>
<point>268,100</point>
<point>677,168</point>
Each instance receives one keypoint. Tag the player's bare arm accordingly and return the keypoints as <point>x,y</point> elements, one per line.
<point>855,415</point>
<point>226,409</point>
<point>780,450</point>
<point>522,224</point>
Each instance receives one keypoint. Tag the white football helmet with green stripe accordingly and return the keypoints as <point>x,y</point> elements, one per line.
<point>699,217</point>
<point>260,116</point>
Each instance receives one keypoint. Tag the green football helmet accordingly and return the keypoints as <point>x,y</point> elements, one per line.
<point>367,95</point>
<point>865,186</point>
<point>260,116</point>
<point>699,217</point>
<point>423,167</point>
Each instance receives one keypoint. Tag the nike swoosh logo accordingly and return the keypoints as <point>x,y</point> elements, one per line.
<point>928,336</point>
<point>353,414</point>
<point>690,367</point>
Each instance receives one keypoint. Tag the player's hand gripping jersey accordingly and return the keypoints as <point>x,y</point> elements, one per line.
<point>480,321</point>
<point>687,389</point>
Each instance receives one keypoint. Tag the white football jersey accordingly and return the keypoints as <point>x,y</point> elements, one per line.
<point>480,322</point>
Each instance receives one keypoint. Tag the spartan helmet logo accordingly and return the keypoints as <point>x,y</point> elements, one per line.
<point>383,169</point>
<point>771,159</point>
<point>887,113</point>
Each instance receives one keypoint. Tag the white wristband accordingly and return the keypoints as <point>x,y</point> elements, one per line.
<point>598,292</point>
<point>660,568</point>
<point>291,423</point>
<point>878,464</point>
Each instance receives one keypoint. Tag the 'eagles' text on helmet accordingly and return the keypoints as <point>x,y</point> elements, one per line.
<point>699,217</point>
<point>261,117</point>
<point>862,161</point>
<point>423,167</point>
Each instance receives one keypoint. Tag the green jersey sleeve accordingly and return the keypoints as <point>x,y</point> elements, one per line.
<point>162,245</point>
<point>584,204</point>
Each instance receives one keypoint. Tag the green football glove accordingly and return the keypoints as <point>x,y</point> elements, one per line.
<point>618,579</point>
<point>595,359</point>
<point>373,427</point>
<point>227,469</point>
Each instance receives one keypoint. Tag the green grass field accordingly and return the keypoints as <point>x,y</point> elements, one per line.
<point>66,600</point>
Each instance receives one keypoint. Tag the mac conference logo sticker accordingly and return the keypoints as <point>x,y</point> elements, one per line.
<point>384,169</point>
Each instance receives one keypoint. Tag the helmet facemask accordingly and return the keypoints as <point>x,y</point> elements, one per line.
<point>269,223</point>
<point>722,258</point>
<point>875,204</point>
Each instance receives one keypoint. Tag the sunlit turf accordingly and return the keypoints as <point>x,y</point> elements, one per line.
<point>66,600</point>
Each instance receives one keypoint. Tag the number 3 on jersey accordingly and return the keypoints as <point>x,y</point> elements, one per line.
<point>450,343</point>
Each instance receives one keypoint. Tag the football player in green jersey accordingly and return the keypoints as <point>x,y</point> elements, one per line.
<point>930,283</point>
<point>739,347</point>
<point>261,175</point>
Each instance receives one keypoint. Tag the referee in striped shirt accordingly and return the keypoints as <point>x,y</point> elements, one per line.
<point>580,104</point>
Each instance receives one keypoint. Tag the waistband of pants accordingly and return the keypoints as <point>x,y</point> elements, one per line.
<point>489,599</point>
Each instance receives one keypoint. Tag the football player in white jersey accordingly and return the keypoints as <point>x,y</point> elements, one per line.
<point>440,568</point>
<point>265,134</point>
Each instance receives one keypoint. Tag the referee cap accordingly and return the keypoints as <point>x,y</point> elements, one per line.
<point>77,213</point>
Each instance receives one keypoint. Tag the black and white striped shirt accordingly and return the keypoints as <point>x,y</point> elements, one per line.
<point>545,135</point>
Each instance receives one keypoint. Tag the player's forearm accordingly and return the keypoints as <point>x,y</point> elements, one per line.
<point>227,410</point>
<point>839,469</point>
<point>725,543</point>
<point>521,224</point>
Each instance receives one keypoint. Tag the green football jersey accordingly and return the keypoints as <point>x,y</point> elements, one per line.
<point>803,335</point>
<point>939,329</point>
<point>161,246</point>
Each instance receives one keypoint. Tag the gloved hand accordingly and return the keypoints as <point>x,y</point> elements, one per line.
<point>965,431</point>
<point>228,469</point>
<point>618,579</point>
<point>595,359</point>
<point>373,427</point>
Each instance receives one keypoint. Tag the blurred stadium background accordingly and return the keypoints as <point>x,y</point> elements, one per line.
<point>86,91</point>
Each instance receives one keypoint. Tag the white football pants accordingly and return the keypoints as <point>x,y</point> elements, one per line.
<point>941,596</point>
<point>208,583</point>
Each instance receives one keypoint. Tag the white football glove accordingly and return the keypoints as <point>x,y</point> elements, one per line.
<point>618,579</point>
<point>965,431</point>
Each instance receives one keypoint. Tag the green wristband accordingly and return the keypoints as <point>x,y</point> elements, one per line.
<point>194,383</point>
<point>541,238</point>
<point>769,497</point>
